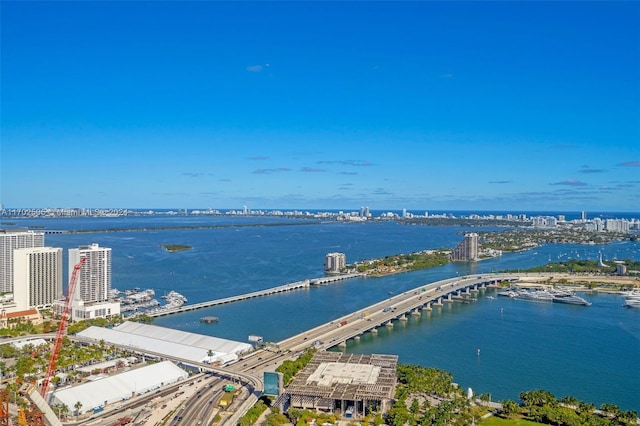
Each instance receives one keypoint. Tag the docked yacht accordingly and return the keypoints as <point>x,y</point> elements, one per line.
<point>632,303</point>
<point>570,299</point>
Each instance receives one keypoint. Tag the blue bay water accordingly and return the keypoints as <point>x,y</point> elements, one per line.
<point>592,352</point>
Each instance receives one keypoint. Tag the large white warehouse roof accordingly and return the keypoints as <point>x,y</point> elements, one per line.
<point>191,339</point>
<point>115,388</point>
<point>169,342</point>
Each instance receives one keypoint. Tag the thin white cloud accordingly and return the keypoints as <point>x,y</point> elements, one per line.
<point>255,68</point>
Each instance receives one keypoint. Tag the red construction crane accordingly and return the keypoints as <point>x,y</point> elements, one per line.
<point>62,329</point>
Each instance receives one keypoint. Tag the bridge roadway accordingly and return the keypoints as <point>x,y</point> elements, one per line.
<point>377,315</point>
<point>273,290</point>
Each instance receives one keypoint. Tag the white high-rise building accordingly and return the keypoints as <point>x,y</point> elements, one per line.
<point>11,239</point>
<point>91,296</point>
<point>94,279</point>
<point>334,263</point>
<point>37,277</point>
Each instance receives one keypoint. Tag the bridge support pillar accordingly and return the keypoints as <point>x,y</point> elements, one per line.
<point>403,318</point>
<point>438,302</point>
<point>374,331</point>
<point>389,324</point>
<point>416,312</point>
<point>357,338</point>
<point>427,307</point>
<point>449,298</point>
<point>342,344</point>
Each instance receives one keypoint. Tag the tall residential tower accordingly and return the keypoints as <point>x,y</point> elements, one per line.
<point>91,296</point>
<point>94,280</point>
<point>11,239</point>
<point>467,249</point>
<point>37,277</point>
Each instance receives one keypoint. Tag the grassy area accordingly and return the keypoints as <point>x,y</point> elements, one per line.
<point>498,421</point>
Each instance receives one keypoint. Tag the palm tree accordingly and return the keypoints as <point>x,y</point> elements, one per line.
<point>64,410</point>
<point>510,407</point>
<point>485,398</point>
<point>77,406</point>
<point>611,409</point>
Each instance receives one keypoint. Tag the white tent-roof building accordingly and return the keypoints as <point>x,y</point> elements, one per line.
<point>152,339</point>
<point>108,390</point>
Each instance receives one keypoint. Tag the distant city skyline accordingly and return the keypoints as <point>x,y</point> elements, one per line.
<point>487,106</point>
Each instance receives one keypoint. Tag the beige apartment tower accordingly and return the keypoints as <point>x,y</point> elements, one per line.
<point>334,263</point>
<point>37,277</point>
<point>467,250</point>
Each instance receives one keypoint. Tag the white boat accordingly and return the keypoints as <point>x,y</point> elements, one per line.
<point>570,299</point>
<point>632,303</point>
<point>634,295</point>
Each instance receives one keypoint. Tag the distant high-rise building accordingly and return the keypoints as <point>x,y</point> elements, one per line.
<point>583,216</point>
<point>467,250</point>
<point>37,277</point>
<point>9,241</point>
<point>335,263</point>
<point>94,279</point>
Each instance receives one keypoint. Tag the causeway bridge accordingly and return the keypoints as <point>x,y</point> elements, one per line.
<point>159,312</point>
<point>396,308</point>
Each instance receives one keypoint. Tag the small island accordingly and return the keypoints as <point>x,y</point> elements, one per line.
<point>172,248</point>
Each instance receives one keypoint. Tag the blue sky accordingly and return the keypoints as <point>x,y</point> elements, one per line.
<point>421,105</point>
